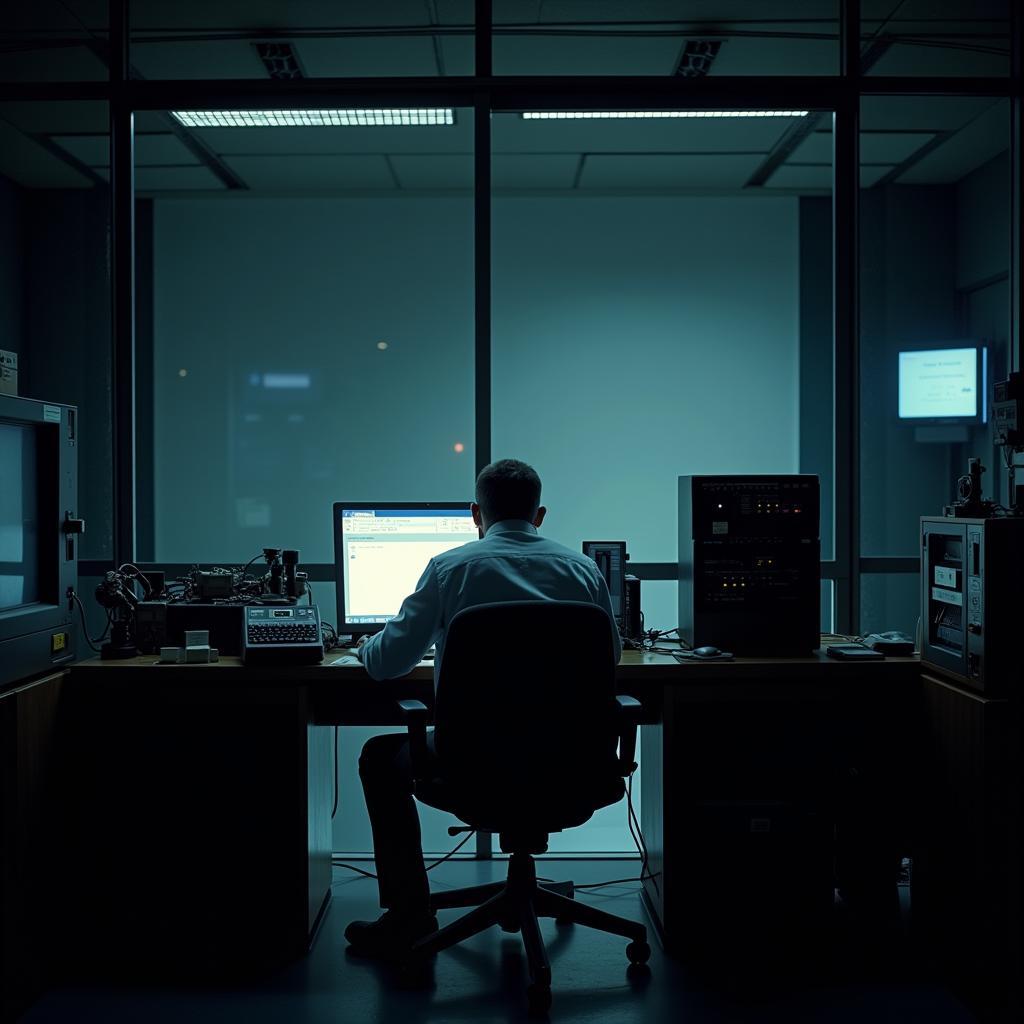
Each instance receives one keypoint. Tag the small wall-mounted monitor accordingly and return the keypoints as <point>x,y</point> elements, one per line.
<point>944,385</point>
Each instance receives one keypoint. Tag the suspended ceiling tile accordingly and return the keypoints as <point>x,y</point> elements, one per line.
<point>173,179</point>
<point>92,150</point>
<point>52,64</point>
<point>585,55</point>
<point>534,170</point>
<point>716,171</point>
<point>927,113</point>
<point>57,117</point>
<point>253,14</point>
<point>442,170</point>
<point>368,57</point>
<point>704,135</point>
<point>875,147</point>
<point>819,176</point>
<point>204,59</point>
<point>458,54</point>
<point>313,172</point>
<point>338,141</point>
<point>906,59</point>
<point>162,148</point>
<point>984,138</point>
<point>766,57</point>
<point>27,163</point>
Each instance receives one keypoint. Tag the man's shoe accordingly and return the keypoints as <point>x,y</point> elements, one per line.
<point>391,936</point>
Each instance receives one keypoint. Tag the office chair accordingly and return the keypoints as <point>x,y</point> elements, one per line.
<point>526,726</point>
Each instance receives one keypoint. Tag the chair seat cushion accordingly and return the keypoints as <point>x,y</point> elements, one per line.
<point>521,806</point>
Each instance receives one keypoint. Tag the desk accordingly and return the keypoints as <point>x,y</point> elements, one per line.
<point>178,771</point>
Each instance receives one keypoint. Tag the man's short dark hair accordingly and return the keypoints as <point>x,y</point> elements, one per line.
<point>508,489</point>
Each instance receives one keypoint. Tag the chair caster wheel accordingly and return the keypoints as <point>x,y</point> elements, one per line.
<point>563,922</point>
<point>510,925</point>
<point>538,998</point>
<point>638,952</point>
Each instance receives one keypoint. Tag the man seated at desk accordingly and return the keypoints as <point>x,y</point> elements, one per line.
<point>510,562</point>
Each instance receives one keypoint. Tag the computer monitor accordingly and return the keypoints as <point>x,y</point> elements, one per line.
<point>610,556</point>
<point>944,385</point>
<point>381,550</point>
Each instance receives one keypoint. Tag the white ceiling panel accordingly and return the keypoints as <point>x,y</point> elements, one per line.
<point>57,117</point>
<point>57,64</point>
<point>173,179</point>
<point>313,172</point>
<point>456,138</point>
<point>367,57</point>
<point>984,138</point>
<point>704,135</point>
<point>767,57</point>
<point>214,59</point>
<point>94,150</point>
<point>923,113</point>
<point>716,171</point>
<point>27,163</point>
<point>437,171</point>
<point>907,59</point>
<point>875,147</point>
<point>819,176</point>
<point>534,170</point>
<point>282,14</point>
<point>585,55</point>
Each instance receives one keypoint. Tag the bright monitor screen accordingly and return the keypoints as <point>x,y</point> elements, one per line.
<point>942,384</point>
<point>19,516</point>
<point>381,552</point>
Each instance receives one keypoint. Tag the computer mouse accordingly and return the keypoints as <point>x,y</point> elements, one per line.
<point>707,652</point>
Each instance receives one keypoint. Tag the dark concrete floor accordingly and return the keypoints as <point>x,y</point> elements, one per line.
<point>483,980</point>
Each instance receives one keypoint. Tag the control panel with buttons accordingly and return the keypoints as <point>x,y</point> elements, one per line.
<point>282,633</point>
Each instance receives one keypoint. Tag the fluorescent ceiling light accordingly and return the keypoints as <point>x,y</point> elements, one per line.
<point>286,380</point>
<point>608,115</point>
<point>311,118</point>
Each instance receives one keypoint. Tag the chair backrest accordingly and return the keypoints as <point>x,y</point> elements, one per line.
<point>524,714</point>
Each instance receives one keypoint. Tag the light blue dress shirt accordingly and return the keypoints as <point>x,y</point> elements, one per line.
<point>511,563</point>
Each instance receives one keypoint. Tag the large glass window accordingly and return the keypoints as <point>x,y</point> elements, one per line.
<point>208,39</point>
<point>55,41</point>
<point>934,305</point>
<point>662,37</point>
<point>649,321</point>
<point>55,282</point>
<point>311,331</point>
<point>935,37</point>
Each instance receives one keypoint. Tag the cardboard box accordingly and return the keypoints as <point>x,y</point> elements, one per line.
<point>8,372</point>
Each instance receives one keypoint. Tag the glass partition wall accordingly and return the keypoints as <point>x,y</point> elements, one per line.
<point>361,255</point>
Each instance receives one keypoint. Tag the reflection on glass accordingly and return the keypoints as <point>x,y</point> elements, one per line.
<point>55,41</point>
<point>934,304</point>
<point>55,281</point>
<point>302,39</point>
<point>925,37</point>
<point>322,308</point>
<point>659,37</point>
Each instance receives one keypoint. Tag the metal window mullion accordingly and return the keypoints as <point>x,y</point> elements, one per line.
<point>122,287</point>
<point>846,331</point>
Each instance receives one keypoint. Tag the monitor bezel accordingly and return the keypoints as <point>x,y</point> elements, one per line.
<point>357,629</point>
<point>980,347</point>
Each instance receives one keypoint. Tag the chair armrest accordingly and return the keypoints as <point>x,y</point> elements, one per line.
<point>627,713</point>
<point>414,713</point>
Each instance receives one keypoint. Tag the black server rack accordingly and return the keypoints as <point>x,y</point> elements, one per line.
<point>750,563</point>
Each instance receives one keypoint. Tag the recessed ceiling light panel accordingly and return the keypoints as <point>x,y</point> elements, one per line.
<point>613,115</point>
<point>313,118</point>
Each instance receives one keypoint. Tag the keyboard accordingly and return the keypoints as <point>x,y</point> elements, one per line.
<point>282,634</point>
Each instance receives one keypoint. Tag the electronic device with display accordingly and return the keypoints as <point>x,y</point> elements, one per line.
<point>39,528</point>
<point>381,550</point>
<point>971,572</point>
<point>273,634</point>
<point>749,563</point>
<point>611,558</point>
<point>944,385</point>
